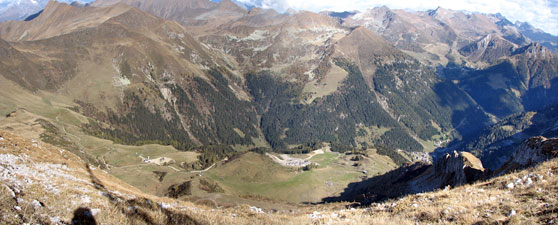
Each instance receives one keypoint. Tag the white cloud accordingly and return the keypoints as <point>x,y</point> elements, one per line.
<point>542,14</point>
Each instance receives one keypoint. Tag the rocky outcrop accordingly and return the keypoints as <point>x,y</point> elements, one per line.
<point>533,151</point>
<point>488,49</point>
<point>458,168</point>
<point>453,169</point>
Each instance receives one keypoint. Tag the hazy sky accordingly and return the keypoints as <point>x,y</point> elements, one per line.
<point>542,14</point>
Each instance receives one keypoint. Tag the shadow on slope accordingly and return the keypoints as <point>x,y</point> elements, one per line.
<point>394,185</point>
<point>495,144</point>
<point>467,117</point>
<point>453,169</point>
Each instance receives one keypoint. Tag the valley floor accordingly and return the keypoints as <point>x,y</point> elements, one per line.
<point>154,168</point>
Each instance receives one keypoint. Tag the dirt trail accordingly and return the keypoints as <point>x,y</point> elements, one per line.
<point>208,168</point>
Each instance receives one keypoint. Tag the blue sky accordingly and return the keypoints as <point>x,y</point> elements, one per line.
<point>542,14</point>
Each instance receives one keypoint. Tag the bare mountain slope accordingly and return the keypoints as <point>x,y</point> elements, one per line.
<point>58,19</point>
<point>200,13</point>
<point>134,62</point>
<point>131,62</point>
<point>546,39</point>
<point>435,35</point>
<point>371,46</point>
<point>517,77</point>
<point>17,67</point>
<point>489,49</point>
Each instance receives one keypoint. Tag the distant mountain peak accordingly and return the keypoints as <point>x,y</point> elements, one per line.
<point>382,8</point>
<point>54,4</point>
<point>230,5</point>
<point>501,20</point>
<point>499,16</point>
<point>534,50</point>
<point>548,40</point>
<point>79,4</point>
<point>526,25</point>
<point>22,9</point>
<point>439,11</point>
<point>291,11</point>
<point>58,18</point>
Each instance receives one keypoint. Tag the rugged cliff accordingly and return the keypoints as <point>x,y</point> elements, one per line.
<point>533,151</point>
<point>451,170</point>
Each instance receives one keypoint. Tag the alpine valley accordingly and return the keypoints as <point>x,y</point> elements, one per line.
<point>203,112</point>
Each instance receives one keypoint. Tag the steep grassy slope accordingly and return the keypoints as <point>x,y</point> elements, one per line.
<point>48,117</point>
<point>200,13</point>
<point>58,19</point>
<point>140,78</point>
<point>17,67</point>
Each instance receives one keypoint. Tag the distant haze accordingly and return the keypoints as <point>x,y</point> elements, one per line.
<point>19,9</point>
<point>542,14</point>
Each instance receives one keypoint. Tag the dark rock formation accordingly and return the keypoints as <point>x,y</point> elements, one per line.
<point>453,169</point>
<point>533,151</point>
<point>458,168</point>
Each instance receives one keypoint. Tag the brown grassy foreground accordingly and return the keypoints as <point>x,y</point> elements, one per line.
<point>44,184</point>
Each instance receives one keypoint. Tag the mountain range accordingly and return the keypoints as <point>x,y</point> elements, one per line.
<point>382,77</point>
<point>215,88</point>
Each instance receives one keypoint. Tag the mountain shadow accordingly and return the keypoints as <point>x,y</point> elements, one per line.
<point>467,117</point>
<point>453,169</point>
<point>494,144</point>
<point>374,189</point>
